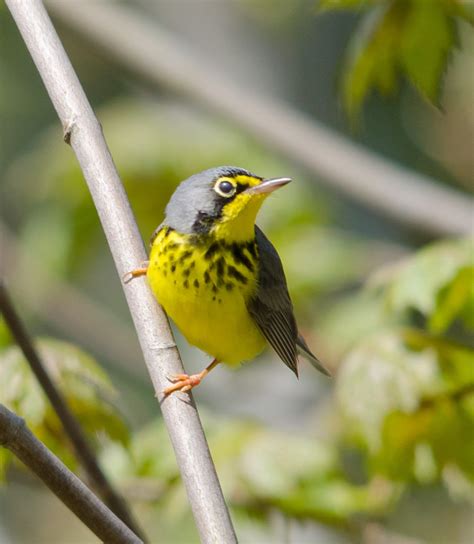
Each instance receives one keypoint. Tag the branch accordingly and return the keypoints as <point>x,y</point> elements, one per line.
<point>83,132</point>
<point>16,437</point>
<point>62,306</point>
<point>159,58</point>
<point>71,426</point>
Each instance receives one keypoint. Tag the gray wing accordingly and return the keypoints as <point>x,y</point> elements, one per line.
<point>271,307</point>
<point>272,310</point>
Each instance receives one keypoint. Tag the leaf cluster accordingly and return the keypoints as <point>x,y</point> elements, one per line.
<point>399,38</point>
<point>260,470</point>
<point>406,392</point>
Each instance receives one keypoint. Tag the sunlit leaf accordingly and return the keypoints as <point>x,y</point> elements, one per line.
<point>5,336</point>
<point>454,360</point>
<point>395,39</point>
<point>5,458</point>
<point>427,37</point>
<point>407,398</point>
<point>337,500</point>
<point>381,376</point>
<point>441,428</point>
<point>452,300</point>
<point>417,282</point>
<point>326,5</point>
<point>467,313</point>
<point>372,56</point>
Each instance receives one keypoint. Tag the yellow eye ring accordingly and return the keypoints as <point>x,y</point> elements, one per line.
<point>225,188</point>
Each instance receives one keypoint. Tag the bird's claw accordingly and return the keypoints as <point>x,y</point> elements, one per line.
<point>182,382</point>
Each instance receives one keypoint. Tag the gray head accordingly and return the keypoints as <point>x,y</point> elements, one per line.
<point>214,196</point>
<point>196,205</point>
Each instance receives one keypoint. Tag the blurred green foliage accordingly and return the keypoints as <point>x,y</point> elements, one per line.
<point>404,373</point>
<point>155,146</point>
<point>258,471</point>
<point>401,348</point>
<point>406,392</point>
<point>438,284</point>
<point>60,231</point>
<point>86,388</point>
<point>404,400</point>
<point>409,38</point>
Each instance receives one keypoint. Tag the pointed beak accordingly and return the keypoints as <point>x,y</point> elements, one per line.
<point>267,186</point>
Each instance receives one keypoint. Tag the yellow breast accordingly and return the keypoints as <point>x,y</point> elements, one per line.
<point>203,285</point>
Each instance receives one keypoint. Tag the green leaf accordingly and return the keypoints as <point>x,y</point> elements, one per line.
<point>371,60</point>
<point>411,38</point>
<point>5,336</point>
<point>467,313</point>
<point>452,300</point>
<point>5,458</point>
<point>84,385</point>
<point>327,5</point>
<point>420,445</point>
<point>337,500</point>
<point>407,399</point>
<point>381,376</point>
<point>454,361</point>
<point>427,36</point>
<point>416,282</point>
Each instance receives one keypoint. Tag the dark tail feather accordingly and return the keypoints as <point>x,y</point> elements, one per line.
<point>304,350</point>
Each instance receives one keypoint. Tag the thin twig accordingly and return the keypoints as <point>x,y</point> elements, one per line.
<point>71,426</point>
<point>63,306</point>
<point>160,59</point>
<point>84,133</point>
<point>16,437</point>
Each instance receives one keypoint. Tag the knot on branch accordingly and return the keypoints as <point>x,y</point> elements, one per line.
<point>67,130</point>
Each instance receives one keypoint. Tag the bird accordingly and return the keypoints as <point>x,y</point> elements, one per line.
<point>217,275</point>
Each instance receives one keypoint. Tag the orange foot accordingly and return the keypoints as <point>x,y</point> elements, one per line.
<point>141,271</point>
<point>183,382</point>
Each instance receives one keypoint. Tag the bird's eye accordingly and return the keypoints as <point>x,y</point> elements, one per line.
<point>225,188</point>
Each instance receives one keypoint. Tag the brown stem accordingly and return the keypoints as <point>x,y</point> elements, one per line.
<point>16,437</point>
<point>71,426</point>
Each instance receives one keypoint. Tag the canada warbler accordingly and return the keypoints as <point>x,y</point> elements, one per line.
<point>218,276</point>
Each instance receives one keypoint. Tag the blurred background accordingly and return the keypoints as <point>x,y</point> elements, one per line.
<point>381,453</point>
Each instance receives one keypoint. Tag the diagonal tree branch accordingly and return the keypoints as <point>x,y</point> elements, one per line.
<point>71,426</point>
<point>16,437</point>
<point>159,58</point>
<point>83,132</point>
<point>62,306</point>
